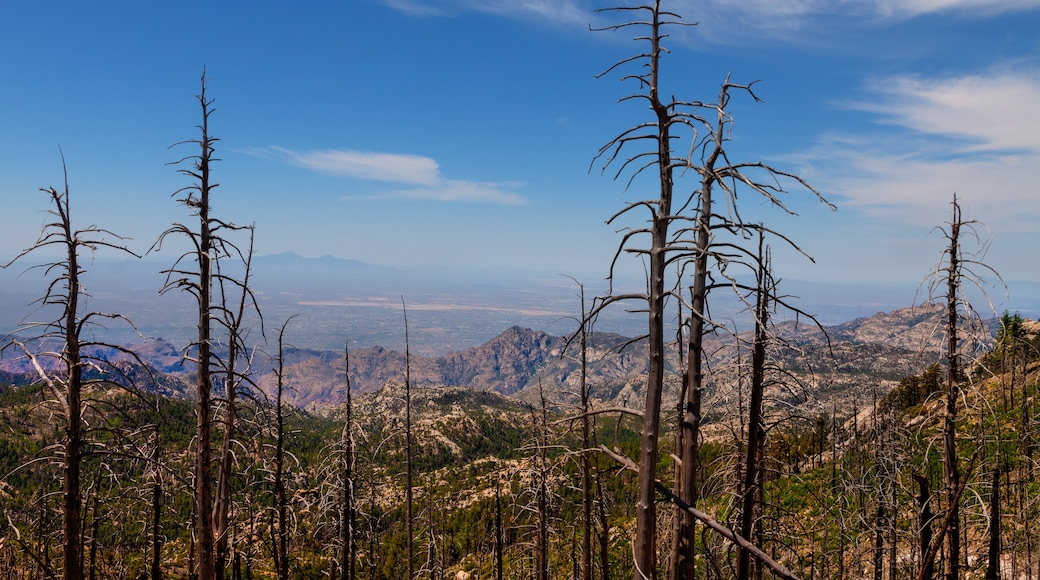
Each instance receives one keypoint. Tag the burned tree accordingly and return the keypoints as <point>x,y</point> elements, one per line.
<point>199,273</point>
<point>683,232</point>
<point>658,131</point>
<point>948,281</point>
<point>75,366</point>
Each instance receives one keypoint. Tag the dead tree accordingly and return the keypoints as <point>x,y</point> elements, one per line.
<point>951,469</point>
<point>588,427</point>
<point>719,175</point>
<point>410,540</point>
<point>196,272</point>
<point>707,128</point>
<point>659,157</point>
<point>948,281</point>
<point>280,542</point>
<point>63,370</point>
<point>234,378</point>
<point>348,517</point>
<point>752,488</point>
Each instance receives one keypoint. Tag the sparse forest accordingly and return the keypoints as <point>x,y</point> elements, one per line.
<point>712,447</point>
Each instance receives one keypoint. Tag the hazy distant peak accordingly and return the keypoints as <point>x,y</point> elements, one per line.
<point>292,258</point>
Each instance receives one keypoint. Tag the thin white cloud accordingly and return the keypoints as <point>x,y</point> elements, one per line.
<point>729,22</point>
<point>415,7</point>
<point>991,111</point>
<point>768,9</point>
<point>413,170</point>
<point>725,21</point>
<point>968,135</point>
<point>559,12</point>
<point>911,8</point>
<point>393,167</point>
<point>556,11</point>
<point>458,191</point>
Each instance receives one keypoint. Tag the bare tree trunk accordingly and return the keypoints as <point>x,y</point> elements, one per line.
<point>587,426</point>
<point>893,548</point>
<point>204,420</point>
<point>156,564</point>
<point>95,520</point>
<point>993,565</point>
<point>65,387</point>
<point>951,469</point>
<point>925,523</point>
<point>644,541</point>
<point>408,446</point>
<point>281,559</point>
<point>542,542</point>
<point>71,495</point>
<point>208,246</point>
<point>751,507</point>
<point>348,523</point>
<point>233,321</point>
<point>499,565</point>
<point>603,531</point>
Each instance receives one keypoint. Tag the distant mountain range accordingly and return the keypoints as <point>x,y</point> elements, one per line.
<point>456,317</point>
<point>863,356</point>
<point>339,300</point>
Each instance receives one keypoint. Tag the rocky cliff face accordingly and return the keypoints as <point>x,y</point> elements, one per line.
<point>861,355</point>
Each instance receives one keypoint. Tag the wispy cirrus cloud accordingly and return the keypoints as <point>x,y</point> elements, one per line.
<point>911,8</point>
<point>725,21</point>
<point>462,191</point>
<point>420,173</point>
<point>970,134</point>
<point>416,7</point>
<point>830,22</point>
<point>989,111</point>
<point>393,167</point>
<point>765,10</point>
<point>560,12</point>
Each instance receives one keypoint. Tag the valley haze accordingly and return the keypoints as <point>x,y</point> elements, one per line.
<point>337,300</point>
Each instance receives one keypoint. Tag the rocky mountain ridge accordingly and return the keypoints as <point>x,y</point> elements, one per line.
<point>868,352</point>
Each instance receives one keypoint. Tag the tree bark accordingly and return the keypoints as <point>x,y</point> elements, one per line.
<point>993,565</point>
<point>951,469</point>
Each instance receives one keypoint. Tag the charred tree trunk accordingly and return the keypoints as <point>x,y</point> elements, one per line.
<point>408,447</point>
<point>645,540</point>
<point>993,565</point>
<point>751,507</point>
<point>63,377</point>
<point>156,564</point>
<point>924,509</point>
<point>203,377</point>
<point>499,564</point>
<point>71,494</point>
<point>586,461</point>
<point>951,468</point>
<point>348,523</point>
<point>281,552</point>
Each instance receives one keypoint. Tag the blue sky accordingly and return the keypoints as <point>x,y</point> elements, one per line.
<point>461,132</point>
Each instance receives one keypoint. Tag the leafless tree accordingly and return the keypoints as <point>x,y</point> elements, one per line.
<point>63,371</point>
<point>348,517</point>
<point>197,272</point>
<point>234,374</point>
<point>280,542</point>
<point>707,128</point>
<point>667,116</point>
<point>956,270</point>
<point>408,446</point>
<point>752,488</point>
<point>588,427</point>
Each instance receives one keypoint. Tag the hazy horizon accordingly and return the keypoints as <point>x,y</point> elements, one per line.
<point>449,309</point>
